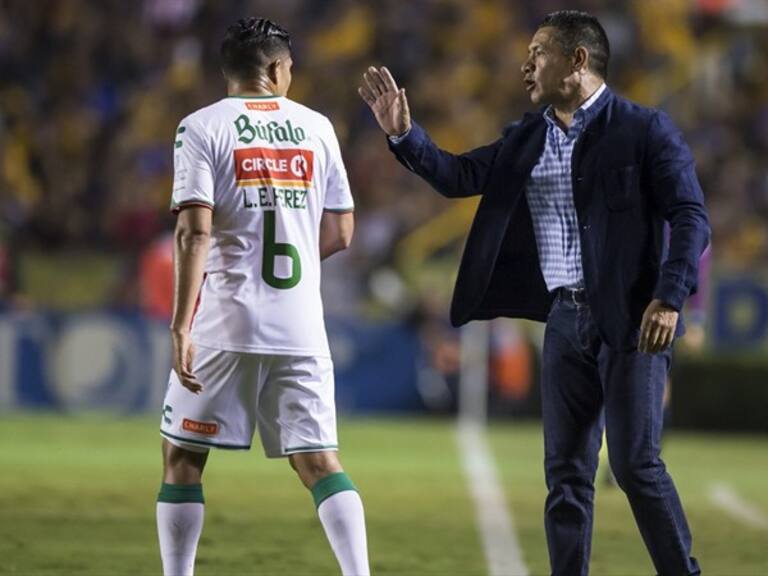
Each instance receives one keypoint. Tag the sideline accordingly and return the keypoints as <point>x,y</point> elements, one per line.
<point>728,500</point>
<point>497,532</point>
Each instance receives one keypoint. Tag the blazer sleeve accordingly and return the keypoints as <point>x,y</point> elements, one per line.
<point>452,175</point>
<point>676,191</point>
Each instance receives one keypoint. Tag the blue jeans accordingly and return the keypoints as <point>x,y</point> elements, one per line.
<point>586,385</point>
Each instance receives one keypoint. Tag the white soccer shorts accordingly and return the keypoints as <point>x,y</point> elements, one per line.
<point>290,398</point>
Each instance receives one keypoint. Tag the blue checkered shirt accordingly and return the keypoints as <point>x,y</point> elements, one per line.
<point>549,192</point>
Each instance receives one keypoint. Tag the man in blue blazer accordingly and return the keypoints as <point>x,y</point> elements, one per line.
<point>570,230</point>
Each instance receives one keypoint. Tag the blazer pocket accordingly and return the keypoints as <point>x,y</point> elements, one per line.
<point>621,187</point>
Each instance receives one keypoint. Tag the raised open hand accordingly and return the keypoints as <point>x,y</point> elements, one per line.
<point>387,101</point>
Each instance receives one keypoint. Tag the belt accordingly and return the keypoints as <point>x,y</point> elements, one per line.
<point>577,296</point>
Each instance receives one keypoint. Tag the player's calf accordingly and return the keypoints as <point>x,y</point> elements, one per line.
<point>339,507</point>
<point>180,508</point>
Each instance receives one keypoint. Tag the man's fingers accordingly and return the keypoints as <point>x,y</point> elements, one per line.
<point>192,385</point>
<point>371,84</point>
<point>183,360</point>
<point>669,337</point>
<point>403,101</point>
<point>389,81</point>
<point>366,95</point>
<point>655,337</point>
<point>190,381</point>
<point>183,367</point>
<point>378,79</point>
<point>183,372</point>
<point>186,373</point>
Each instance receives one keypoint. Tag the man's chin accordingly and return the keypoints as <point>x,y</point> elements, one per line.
<point>539,99</point>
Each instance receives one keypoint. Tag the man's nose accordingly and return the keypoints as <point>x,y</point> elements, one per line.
<point>525,67</point>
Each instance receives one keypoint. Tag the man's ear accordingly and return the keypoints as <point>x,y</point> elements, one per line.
<point>272,71</point>
<point>580,59</point>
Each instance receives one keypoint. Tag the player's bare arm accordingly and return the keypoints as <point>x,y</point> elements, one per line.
<point>388,102</point>
<point>190,251</point>
<point>336,229</point>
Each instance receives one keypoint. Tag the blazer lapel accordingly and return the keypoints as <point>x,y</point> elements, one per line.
<point>524,149</point>
<point>586,153</point>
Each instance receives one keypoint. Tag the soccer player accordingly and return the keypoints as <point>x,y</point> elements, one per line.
<point>262,197</point>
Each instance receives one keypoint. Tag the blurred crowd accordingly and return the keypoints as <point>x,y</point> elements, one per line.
<point>91,92</point>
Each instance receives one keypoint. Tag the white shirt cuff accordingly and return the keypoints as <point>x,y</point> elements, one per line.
<point>398,139</point>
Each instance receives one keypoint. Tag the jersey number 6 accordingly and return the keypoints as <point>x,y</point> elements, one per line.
<point>273,249</point>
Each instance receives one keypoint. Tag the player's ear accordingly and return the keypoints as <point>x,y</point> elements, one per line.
<point>273,71</point>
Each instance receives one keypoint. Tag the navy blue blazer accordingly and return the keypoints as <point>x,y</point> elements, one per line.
<point>631,172</point>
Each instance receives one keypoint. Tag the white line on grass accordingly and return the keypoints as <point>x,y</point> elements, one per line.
<point>725,497</point>
<point>502,550</point>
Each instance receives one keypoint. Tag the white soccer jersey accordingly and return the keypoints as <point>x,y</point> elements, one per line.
<point>268,167</point>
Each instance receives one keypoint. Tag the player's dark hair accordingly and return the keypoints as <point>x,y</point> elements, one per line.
<point>250,45</point>
<point>576,28</point>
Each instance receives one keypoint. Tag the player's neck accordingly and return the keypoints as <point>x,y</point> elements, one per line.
<point>254,88</point>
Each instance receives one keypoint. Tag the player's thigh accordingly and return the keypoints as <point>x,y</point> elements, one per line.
<point>296,408</point>
<point>223,414</point>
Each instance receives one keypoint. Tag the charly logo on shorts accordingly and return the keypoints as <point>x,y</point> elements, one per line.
<point>207,428</point>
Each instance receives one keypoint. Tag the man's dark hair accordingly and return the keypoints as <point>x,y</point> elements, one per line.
<point>249,46</point>
<point>576,28</point>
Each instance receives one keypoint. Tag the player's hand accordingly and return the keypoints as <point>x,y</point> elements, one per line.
<point>183,354</point>
<point>387,101</point>
<point>657,330</point>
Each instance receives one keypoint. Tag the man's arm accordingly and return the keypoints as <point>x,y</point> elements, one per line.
<point>190,251</point>
<point>336,229</point>
<point>454,176</point>
<point>677,193</point>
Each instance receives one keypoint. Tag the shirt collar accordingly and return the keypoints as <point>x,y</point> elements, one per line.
<point>592,99</point>
<point>588,110</point>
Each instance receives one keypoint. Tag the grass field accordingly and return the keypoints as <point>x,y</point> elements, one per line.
<point>77,497</point>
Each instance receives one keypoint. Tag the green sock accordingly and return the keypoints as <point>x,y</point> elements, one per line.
<point>180,493</point>
<point>330,485</point>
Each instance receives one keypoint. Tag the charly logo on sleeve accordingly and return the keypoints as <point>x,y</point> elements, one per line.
<point>270,132</point>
